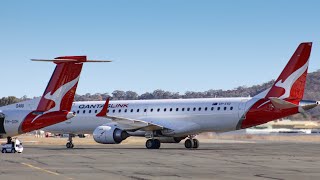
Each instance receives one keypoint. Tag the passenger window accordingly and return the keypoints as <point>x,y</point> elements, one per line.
<point>165,109</point>
<point>225,108</point>
<point>89,111</point>
<point>84,111</point>
<point>78,112</point>
<point>114,111</point>
<point>170,109</point>
<point>194,109</point>
<point>199,108</point>
<point>218,108</point>
<point>138,110</point>
<point>188,109</point>
<point>212,108</point>
<point>206,109</point>
<point>125,110</point>
<point>182,109</point>
<point>145,110</point>
<point>96,111</point>
<point>131,110</point>
<point>231,108</point>
<point>151,110</point>
<point>158,110</point>
<point>119,110</point>
<point>177,109</point>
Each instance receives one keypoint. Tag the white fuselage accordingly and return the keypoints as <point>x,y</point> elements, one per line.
<point>186,116</point>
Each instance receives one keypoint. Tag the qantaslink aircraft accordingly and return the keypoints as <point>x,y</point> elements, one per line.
<point>55,104</point>
<point>170,121</point>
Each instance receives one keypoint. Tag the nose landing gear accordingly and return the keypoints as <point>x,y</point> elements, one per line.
<point>69,144</point>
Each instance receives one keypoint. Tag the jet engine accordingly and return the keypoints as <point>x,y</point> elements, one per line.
<point>109,134</point>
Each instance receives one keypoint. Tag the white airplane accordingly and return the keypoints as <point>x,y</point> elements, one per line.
<point>55,104</point>
<point>170,121</point>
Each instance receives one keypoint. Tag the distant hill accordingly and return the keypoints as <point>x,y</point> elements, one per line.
<point>312,92</point>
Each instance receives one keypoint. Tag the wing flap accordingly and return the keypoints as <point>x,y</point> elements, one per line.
<point>134,123</point>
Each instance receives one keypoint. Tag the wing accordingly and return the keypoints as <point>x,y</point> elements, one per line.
<point>166,124</point>
<point>134,124</point>
<point>127,123</point>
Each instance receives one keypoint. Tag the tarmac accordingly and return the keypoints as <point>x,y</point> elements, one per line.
<point>213,160</point>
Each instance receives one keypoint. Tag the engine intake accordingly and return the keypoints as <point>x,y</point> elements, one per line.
<point>109,134</point>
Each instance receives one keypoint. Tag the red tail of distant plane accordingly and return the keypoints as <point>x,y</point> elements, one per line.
<point>291,82</point>
<point>55,104</point>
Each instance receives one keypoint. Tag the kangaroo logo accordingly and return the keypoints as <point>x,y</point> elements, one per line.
<point>57,96</point>
<point>288,83</point>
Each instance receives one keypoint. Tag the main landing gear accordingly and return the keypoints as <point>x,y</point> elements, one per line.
<point>69,144</point>
<point>191,143</point>
<point>153,144</point>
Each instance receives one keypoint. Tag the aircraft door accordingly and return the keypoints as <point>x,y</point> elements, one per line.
<point>2,130</point>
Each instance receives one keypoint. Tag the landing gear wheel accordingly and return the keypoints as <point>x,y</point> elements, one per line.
<point>195,143</point>
<point>157,144</point>
<point>153,144</point>
<point>149,144</point>
<point>69,145</point>
<point>189,143</point>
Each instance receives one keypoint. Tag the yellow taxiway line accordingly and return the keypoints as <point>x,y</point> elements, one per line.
<point>41,169</point>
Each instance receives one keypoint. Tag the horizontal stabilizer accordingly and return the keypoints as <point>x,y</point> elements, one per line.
<point>66,59</point>
<point>281,104</point>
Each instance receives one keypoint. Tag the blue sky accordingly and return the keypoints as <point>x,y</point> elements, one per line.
<point>175,45</point>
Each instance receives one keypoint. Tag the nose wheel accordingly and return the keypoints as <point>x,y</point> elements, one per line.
<point>191,143</point>
<point>69,144</point>
<point>153,144</point>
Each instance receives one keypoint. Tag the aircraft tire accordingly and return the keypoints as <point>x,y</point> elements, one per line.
<point>188,143</point>
<point>196,143</point>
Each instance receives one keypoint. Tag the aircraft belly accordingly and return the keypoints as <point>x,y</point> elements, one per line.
<point>216,123</point>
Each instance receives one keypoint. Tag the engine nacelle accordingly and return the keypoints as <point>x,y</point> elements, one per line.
<point>169,139</point>
<point>109,135</point>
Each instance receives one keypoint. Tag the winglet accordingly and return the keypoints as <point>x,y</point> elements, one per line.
<point>104,110</point>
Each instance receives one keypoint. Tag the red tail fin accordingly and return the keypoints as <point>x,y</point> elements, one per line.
<point>62,86</point>
<point>291,82</point>
<point>55,104</point>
